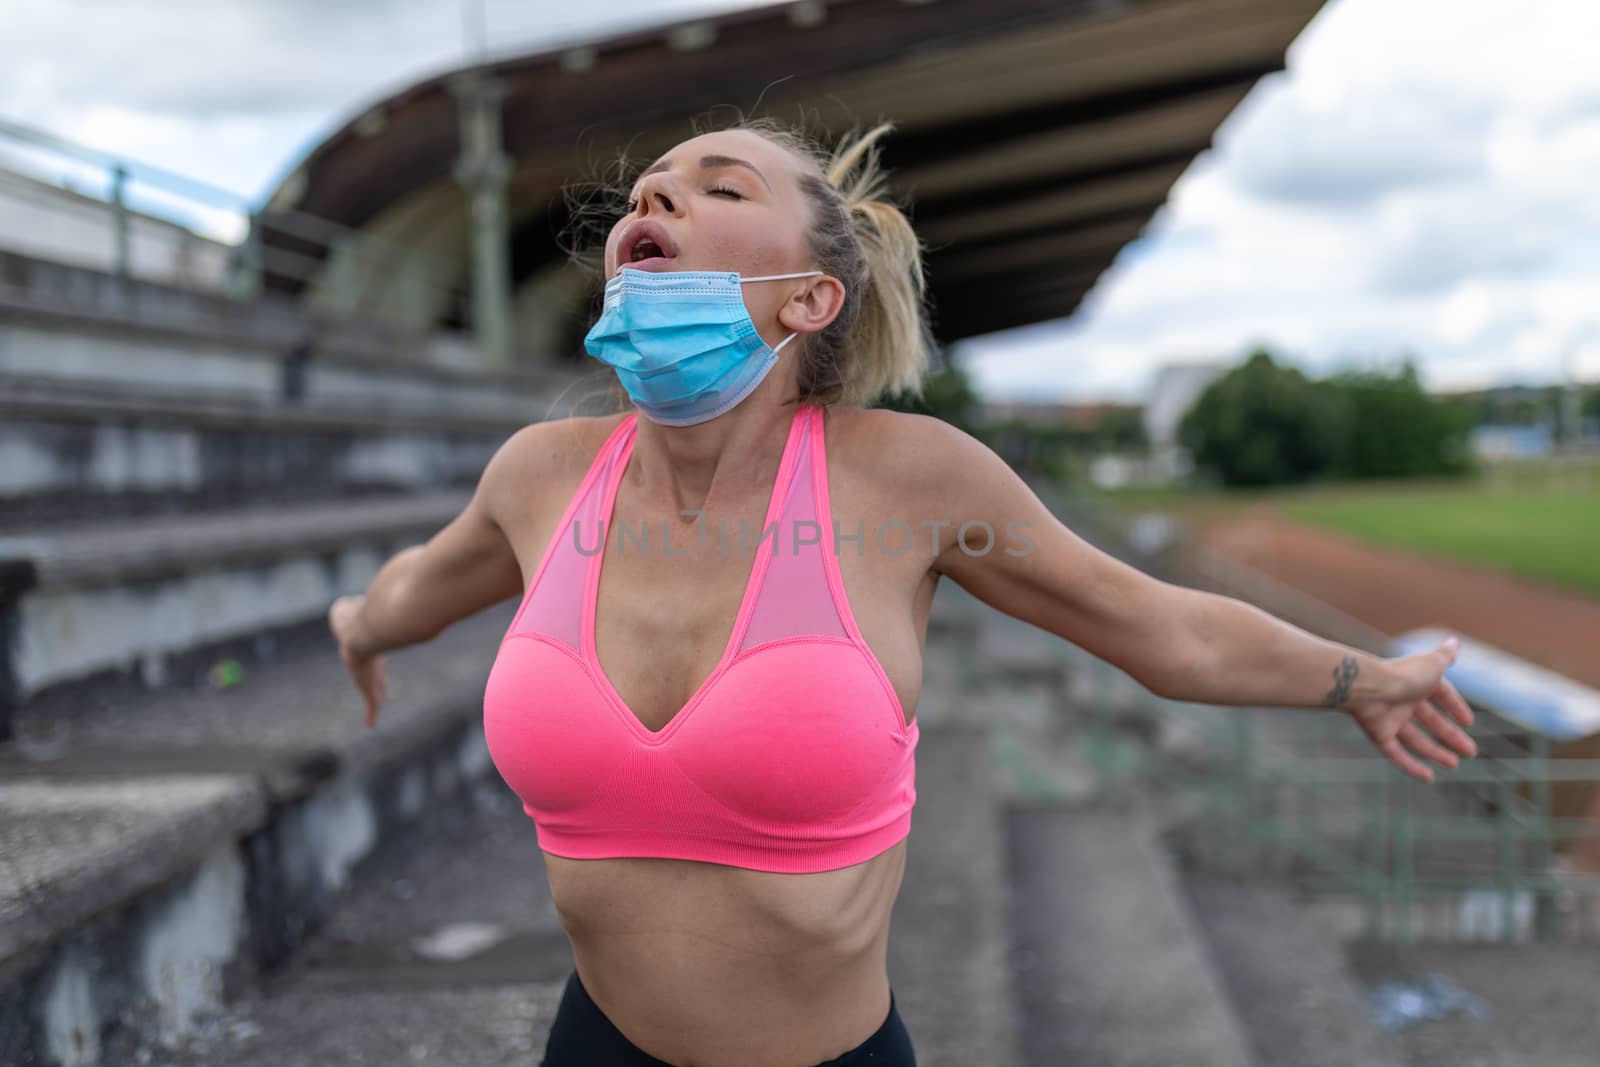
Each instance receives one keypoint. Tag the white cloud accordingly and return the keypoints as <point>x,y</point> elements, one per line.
<point>1419,180</point>
<point>1291,149</point>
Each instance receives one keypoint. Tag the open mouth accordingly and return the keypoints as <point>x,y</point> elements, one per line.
<point>646,249</point>
<point>646,246</point>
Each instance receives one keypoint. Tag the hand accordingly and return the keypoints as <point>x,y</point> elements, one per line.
<point>368,671</point>
<point>1396,723</point>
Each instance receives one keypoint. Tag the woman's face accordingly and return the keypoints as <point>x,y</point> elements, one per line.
<point>725,201</point>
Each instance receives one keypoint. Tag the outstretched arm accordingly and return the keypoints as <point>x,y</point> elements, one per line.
<point>1182,644</point>
<point>467,566</point>
<point>1405,705</point>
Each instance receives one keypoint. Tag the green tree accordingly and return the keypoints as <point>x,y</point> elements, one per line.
<point>1262,424</point>
<point>1393,429</point>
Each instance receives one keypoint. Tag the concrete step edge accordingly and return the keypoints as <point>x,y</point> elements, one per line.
<point>146,548</point>
<point>948,948</point>
<point>34,399</point>
<point>1110,965</point>
<point>1288,984</point>
<point>156,947</point>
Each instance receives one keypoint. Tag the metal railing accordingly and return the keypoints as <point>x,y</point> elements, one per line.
<point>91,208</point>
<point>1473,855</point>
<point>1298,793</point>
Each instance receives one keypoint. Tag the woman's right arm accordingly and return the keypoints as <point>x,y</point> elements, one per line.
<point>464,568</point>
<point>467,566</point>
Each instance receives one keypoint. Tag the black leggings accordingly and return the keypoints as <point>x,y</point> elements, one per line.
<point>582,1036</point>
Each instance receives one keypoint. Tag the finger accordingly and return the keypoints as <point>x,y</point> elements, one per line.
<point>1457,705</point>
<point>1405,760</point>
<point>1445,730</point>
<point>1423,744</point>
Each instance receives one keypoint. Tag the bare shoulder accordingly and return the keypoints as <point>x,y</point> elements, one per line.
<point>917,456</point>
<point>544,456</point>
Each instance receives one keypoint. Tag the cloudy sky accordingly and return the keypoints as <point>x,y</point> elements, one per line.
<point>1419,181</point>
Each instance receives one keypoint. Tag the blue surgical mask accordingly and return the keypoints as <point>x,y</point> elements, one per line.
<point>682,342</point>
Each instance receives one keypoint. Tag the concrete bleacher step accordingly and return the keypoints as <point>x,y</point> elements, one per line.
<point>1287,979</point>
<point>121,398</point>
<point>95,455</point>
<point>410,967</point>
<point>1109,967</point>
<point>176,844</point>
<point>947,944</point>
<point>83,604</point>
<point>77,327</point>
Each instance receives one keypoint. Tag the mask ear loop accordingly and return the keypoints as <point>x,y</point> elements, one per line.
<point>780,277</point>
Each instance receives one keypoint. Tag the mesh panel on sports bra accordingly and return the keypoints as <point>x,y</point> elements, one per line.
<point>795,598</point>
<point>556,606</point>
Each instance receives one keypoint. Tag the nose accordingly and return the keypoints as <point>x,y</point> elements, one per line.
<point>656,193</point>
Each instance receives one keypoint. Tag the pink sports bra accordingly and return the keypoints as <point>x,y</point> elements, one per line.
<point>793,755</point>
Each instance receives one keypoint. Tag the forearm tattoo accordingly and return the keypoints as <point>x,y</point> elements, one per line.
<point>1343,677</point>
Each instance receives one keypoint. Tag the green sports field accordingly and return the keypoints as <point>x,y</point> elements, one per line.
<point>1536,520</point>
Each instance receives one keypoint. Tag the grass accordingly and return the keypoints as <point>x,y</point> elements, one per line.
<point>1551,537</point>
<point>1534,520</point>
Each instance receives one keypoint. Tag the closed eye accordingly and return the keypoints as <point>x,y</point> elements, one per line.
<point>633,205</point>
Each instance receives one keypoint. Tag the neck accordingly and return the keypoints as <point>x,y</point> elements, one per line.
<point>715,463</point>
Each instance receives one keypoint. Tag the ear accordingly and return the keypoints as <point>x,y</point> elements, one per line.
<point>814,307</point>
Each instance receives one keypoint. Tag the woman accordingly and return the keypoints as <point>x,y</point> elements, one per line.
<point>707,708</point>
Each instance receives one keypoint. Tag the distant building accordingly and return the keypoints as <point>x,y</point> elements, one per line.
<point>1176,388</point>
<point>1512,442</point>
<point>1032,434</point>
<point>1048,412</point>
<point>1173,392</point>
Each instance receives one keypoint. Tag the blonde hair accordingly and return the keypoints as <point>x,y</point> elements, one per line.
<point>880,343</point>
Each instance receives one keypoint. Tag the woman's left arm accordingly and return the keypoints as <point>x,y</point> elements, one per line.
<point>1181,644</point>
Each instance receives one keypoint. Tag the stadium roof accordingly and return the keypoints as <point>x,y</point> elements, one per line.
<point>1035,138</point>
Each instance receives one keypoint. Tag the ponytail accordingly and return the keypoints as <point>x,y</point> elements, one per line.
<point>880,342</point>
